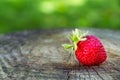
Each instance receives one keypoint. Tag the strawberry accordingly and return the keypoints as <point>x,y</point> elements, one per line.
<point>90,51</point>
<point>87,48</point>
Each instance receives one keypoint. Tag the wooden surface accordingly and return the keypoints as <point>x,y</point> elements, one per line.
<point>38,55</point>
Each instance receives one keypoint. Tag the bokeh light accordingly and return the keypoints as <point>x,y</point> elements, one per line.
<point>47,7</point>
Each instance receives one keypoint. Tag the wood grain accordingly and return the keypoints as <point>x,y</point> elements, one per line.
<point>38,55</point>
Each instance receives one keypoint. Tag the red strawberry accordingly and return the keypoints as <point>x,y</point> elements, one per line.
<point>87,48</point>
<point>90,51</point>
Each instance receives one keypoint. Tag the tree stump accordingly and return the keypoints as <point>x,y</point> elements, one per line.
<point>38,55</point>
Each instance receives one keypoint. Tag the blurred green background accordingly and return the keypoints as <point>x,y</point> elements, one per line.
<point>32,14</point>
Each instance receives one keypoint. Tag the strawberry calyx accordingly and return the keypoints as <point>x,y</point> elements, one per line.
<point>75,37</point>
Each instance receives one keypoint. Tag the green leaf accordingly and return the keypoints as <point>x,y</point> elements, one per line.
<point>75,38</point>
<point>75,35</point>
<point>76,32</point>
<point>67,46</point>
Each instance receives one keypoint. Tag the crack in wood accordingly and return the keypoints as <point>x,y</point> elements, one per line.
<point>98,74</point>
<point>68,76</point>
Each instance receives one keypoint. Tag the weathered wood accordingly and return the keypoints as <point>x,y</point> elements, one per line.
<point>38,55</point>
